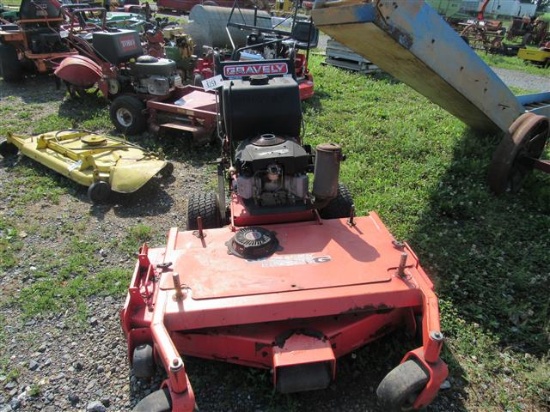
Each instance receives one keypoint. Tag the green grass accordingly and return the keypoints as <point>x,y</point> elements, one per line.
<point>421,169</point>
<point>425,173</point>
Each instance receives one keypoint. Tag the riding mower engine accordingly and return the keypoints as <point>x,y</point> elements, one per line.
<point>154,76</point>
<point>260,46</point>
<point>272,181</point>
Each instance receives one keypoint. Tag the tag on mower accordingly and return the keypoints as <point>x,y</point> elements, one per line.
<point>212,82</point>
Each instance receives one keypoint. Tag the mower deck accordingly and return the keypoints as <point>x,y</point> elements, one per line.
<point>330,287</point>
<point>90,159</point>
<point>190,109</point>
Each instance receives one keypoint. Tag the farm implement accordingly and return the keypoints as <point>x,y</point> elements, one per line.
<point>103,163</point>
<point>440,65</point>
<point>272,272</point>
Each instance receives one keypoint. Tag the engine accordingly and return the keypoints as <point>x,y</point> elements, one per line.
<point>272,171</point>
<point>263,118</point>
<point>155,76</point>
<point>260,46</point>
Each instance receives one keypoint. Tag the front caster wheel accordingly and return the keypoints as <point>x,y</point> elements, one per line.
<point>400,388</point>
<point>143,362</point>
<point>158,401</point>
<point>8,149</point>
<point>167,170</point>
<point>99,192</point>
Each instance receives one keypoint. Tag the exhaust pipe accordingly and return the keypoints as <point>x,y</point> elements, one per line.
<point>327,172</point>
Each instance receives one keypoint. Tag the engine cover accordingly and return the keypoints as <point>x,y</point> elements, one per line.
<point>153,66</point>
<point>256,154</point>
<point>272,171</point>
<point>118,46</point>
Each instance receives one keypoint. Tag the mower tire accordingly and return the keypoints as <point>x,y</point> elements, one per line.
<point>127,115</point>
<point>206,206</point>
<point>197,80</point>
<point>99,192</point>
<point>167,170</point>
<point>10,66</point>
<point>143,363</point>
<point>400,388</point>
<point>340,206</point>
<point>157,401</point>
<point>8,149</point>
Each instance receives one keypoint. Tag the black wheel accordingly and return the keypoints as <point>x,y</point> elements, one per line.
<point>143,362</point>
<point>99,192</point>
<point>340,206</point>
<point>400,388</point>
<point>8,149</point>
<point>158,401</point>
<point>127,114</point>
<point>206,206</point>
<point>78,92</point>
<point>10,66</point>
<point>167,170</point>
<point>512,160</point>
<point>197,80</point>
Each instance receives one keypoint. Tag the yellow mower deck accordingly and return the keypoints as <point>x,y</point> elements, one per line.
<point>103,163</point>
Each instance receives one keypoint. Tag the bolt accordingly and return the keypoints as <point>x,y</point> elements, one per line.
<point>176,365</point>
<point>436,335</point>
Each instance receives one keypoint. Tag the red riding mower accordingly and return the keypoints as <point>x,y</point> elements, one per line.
<point>272,274</point>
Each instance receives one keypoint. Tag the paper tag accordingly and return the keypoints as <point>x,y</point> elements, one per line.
<point>212,82</point>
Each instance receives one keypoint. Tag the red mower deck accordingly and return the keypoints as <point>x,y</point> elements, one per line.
<point>330,287</point>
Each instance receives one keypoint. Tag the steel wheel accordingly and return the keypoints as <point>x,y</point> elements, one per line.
<point>8,149</point>
<point>99,192</point>
<point>511,162</point>
<point>400,388</point>
<point>127,114</point>
<point>475,36</point>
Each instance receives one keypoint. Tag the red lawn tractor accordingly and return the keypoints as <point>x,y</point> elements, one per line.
<point>276,271</point>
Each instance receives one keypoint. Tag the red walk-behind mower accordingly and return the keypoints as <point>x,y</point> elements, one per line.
<point>272,274</point>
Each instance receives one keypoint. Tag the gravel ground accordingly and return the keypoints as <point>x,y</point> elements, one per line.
<point>65,368</point>
<point>523,81</point>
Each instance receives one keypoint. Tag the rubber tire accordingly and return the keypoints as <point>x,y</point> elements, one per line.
<point>167,170</point>
<point>197,80</point>
<point>157,401</point>
<point>143,362</point>
<point>10,66</point>
<point>99,192</point>
<point>401,386</point>
<point>8,149</point>
<point>206,206</point>
<point>340,206</point>
<point>130,110</point>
